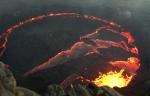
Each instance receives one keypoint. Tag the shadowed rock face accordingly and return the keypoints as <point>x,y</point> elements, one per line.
<point>76,87</point>
<point>7,81</point>
<point>81,90</point>
<point>8,85</point>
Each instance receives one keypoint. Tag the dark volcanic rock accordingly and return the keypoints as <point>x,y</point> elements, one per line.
<point>80,88</point>
<point>7,82</point>
<point>75,87</point>
<point>8,85</point>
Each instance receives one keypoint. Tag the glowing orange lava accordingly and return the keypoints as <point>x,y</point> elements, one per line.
<point>113,79</point>
<point>119,79</point>
<point>89,44</point>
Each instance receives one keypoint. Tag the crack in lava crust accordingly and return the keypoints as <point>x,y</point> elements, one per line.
<point>87,45</point>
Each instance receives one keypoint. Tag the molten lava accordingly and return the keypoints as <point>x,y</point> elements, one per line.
<point>113,79</point>
<point>130,66</point>
<point>121,78</point>
<point>88,44</point>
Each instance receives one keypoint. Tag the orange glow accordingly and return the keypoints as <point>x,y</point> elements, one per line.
<point>4,36</point>
<point>133,60</point>
<point>134,51</point>
<point>128,36</point>
<point>119,79</point>
<point>113,79</point>
<point>130,66</point>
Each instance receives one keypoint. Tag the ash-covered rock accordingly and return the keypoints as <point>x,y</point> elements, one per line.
<point>79,87</point>
<point>7,81</point>
<point>8,85</point>
<point>74,85</point>
<point>81,90</point>
<point>55,90</point>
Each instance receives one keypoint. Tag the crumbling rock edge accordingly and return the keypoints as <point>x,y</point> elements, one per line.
<point>8,87</point>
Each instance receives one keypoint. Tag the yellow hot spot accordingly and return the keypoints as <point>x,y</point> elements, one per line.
<point>113,79</point>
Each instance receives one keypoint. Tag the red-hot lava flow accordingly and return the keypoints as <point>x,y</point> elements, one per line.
<point>87,45</point>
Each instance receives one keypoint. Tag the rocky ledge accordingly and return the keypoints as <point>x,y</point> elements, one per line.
<point>8,87</point>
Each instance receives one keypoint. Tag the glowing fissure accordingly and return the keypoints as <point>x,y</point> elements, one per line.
<point>87,45</point>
